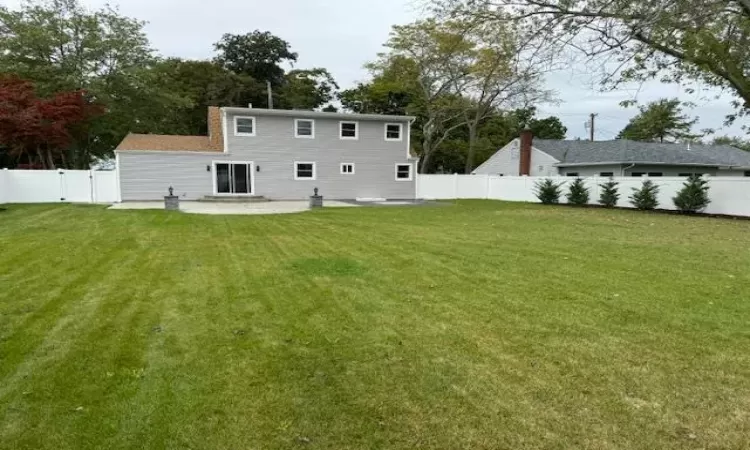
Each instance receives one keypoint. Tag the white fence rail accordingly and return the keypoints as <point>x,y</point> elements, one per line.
<point>729,195</point>
<point>50,186</point>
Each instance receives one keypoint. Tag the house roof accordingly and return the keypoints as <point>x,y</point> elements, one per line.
<point>306,114</point>
<point>161,142</point>
<point>623,151</point>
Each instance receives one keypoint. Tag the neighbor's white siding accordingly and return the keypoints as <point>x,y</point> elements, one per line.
<point>592,171</point>
<point>506,161</point>
<point>665,170</point>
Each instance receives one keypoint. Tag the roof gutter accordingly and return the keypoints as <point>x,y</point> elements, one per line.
<point>640,163</point>
<point>298,113</point>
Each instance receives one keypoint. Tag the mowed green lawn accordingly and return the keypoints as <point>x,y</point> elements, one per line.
<point>473,325</point>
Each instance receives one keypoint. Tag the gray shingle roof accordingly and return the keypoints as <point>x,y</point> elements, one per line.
<point>624,151</point>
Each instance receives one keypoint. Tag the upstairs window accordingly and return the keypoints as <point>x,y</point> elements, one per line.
<point>349,130</point>
<point>244,126</point>
<point>304,128</point>
<point>393,131</point>
<point>403,172</point>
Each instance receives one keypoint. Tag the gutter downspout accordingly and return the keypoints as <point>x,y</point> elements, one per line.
<point>622,170</point>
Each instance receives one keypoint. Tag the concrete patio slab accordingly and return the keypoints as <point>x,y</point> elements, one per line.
<point>279,207</point>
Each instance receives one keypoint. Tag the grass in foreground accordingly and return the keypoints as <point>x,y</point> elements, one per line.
<point>474,325</point>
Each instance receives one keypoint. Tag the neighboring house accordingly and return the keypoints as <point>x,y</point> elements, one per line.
<point>276,154</point>
<point>543,157</point>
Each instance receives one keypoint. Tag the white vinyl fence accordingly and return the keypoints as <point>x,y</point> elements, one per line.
<point>729,195</point>
<point>50,186</point>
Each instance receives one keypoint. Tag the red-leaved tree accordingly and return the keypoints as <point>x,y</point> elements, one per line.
<point>40,130</point>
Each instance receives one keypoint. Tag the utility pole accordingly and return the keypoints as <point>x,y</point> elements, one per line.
<point>591,127</point>
<point>270,94</point>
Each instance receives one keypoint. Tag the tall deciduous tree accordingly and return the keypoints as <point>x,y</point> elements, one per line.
<point>505,71</point>
<point>203,84</point>
<point>307,89</point>
<point>429,59</point>
<point>258,54</point>
<point>660,121</point>
<point>41,129</point>
<point>376,97</point>
<point>671,40</point>
<point>742,144</point>
<point>61,46</point>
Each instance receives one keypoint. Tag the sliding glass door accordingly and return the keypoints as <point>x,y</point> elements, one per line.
<point>234,178</point>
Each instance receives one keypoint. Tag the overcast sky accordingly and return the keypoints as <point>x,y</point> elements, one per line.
<point>341,35</point>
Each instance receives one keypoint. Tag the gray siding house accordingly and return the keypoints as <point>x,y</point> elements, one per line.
<point>544,157</point>
<point>276,154</point>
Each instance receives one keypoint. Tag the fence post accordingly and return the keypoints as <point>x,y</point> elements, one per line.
<point>455,185</point>
<point>62,184</point>
<point>92,186</point>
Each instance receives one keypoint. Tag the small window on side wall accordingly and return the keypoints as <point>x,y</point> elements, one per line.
<point>606,174</point>
<point>244,126</point>
<point>571,174</point>
<point>347,168</point>
<point>304,170</point>
<point>655,174</point>
<point>393,131</point>
<point>747,173</point>
<point>304,128</point>
<point>637,174</point>
<point>349,130</point>
<point>403,172</point>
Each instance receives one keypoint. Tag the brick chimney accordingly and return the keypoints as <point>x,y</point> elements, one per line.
<point>215,129</point>
<point>524,165</point>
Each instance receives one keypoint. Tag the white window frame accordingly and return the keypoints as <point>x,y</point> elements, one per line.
<point>341,169</point>
<point>296,129</point>
<point>356,130</point>
<point>255,126</point>
<point>314,171</point>
<point>411,172</point>
<point>400,132</point>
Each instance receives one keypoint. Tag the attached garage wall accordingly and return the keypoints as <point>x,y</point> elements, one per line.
<point>148,175</point>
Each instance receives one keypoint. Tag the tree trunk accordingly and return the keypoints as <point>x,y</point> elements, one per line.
<point>472,125</point>
<point>50,159</point>
<point>42,161</point>
<point>426,154</point>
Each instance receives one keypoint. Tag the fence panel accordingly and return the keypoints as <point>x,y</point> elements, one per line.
<point>77,186</point>
<point>33,186</point>
<point>729,195</point>
<point>55,186</point>
<point>437,186</point>
<point>105,186</point>
<point>472,186</point>
<point>3,187</point>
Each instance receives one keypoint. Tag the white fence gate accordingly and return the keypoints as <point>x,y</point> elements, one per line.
<point>49,186</point>
<point>729,195</point>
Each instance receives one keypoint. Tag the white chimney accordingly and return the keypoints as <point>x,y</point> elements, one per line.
<point>250,105</point>
<point>688,146</point>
